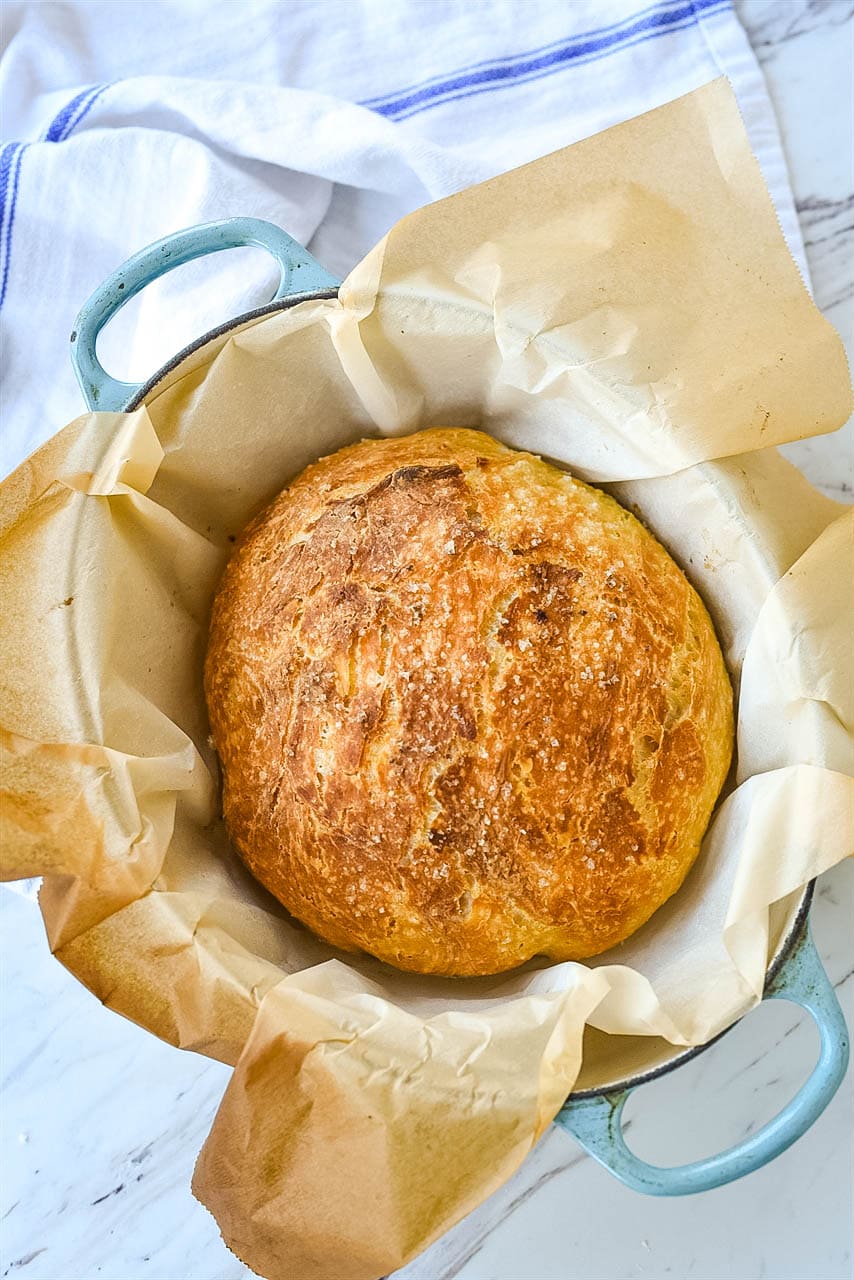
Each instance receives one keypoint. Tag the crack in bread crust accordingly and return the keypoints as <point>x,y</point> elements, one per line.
<point>468,710</point>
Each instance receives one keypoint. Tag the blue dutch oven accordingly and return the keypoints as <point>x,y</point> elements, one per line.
<point>592,1114</point>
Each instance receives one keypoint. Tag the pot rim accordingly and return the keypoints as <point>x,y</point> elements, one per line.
<point>270,308</point>
<point>793,932</point>
<point>654,1073</point>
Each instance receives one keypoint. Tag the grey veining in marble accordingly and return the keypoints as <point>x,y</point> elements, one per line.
<point>771,23</point>
<point>806,48</point>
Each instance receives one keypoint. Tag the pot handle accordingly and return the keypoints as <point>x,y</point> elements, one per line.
<point>595,1122</point>
<point>300,273</point>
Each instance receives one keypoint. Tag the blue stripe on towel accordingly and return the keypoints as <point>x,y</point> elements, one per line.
<point>645,25</point>
<point>72,113</point>
<point>10,170</point>
<point>11,155</point>
<point>659,7</point>
<point>55,131</point>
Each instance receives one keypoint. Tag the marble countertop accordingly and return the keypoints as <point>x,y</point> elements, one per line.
<point>102,1122</point>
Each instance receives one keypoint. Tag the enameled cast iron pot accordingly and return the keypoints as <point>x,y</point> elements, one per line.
<point>592,1113</point>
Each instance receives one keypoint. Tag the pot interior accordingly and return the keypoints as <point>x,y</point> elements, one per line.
<point>612,1063</point>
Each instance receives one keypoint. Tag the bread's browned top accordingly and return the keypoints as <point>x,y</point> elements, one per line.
<point>468,709</point>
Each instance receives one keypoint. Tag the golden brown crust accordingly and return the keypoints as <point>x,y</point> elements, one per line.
<point>468,709</point>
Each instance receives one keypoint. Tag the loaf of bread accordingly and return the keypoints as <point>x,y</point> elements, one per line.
<point>468,709</point>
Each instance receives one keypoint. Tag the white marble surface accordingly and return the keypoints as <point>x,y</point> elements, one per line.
<point>101,1122</point>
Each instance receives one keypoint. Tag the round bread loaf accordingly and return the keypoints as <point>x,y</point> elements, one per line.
<point>468,709</point>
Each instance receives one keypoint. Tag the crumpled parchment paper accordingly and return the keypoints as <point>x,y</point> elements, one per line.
<point>626,307</point>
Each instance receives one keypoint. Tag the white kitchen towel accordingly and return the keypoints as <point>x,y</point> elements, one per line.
<point>130,119</point>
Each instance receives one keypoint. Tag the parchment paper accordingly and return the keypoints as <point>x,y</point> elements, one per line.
<point>627,307</point>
